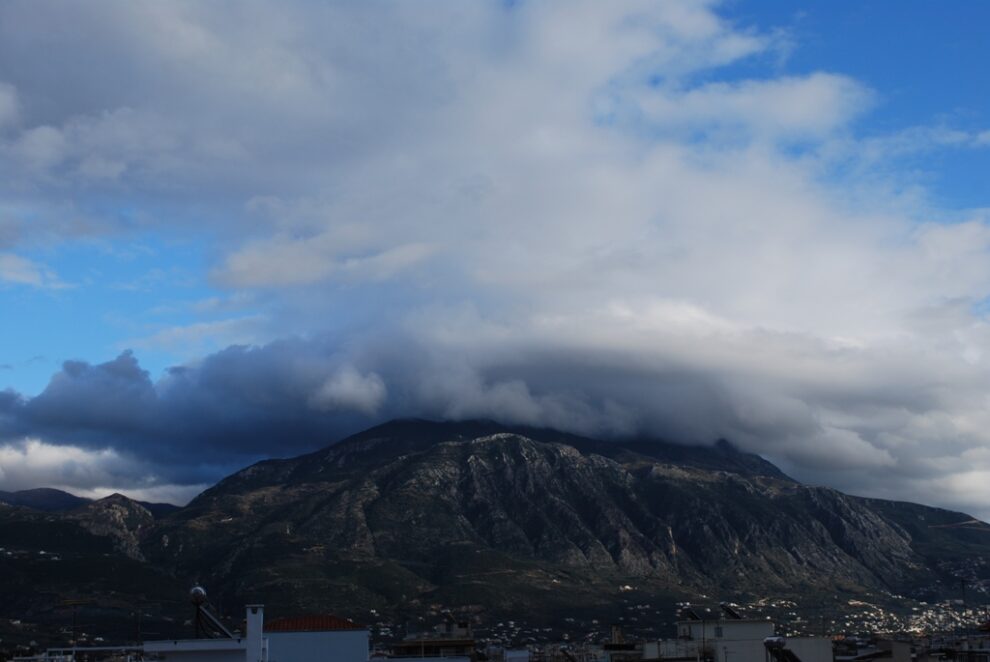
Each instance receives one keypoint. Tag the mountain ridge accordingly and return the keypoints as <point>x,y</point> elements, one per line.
<point>413,516</point>
<point>415,434</point>
<point>553,511</point>
<point>50,499</point>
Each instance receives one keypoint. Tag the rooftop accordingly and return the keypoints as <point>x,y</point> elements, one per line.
<point>311,623</point>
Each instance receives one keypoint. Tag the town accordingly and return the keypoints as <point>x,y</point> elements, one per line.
<point>766,630</point>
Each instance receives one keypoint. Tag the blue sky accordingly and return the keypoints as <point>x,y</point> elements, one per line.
<point>924,60</point>
<point>764,221</point>
<point>113,294</point>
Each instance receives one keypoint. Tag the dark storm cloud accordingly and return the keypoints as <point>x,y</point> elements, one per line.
<point>841,417</point>
<point>291,396</point>
<point>234,406</point>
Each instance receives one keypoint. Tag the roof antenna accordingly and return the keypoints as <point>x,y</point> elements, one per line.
<point>208,626</point>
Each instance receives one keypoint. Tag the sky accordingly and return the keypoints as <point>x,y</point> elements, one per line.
<point>239,230</point>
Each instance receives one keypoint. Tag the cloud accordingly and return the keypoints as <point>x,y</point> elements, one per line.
<point>571,215</point>
<point>836,414</point>
<point>783,108</point>
<point>348,389</point>
<point>300,261</point>
<point>9,106</point>
<point>919,140</point>
<point>88,473</point>
<point>232,407</point>
<point>195,340</point>
<point>41,148</point>
<point>18,270</point>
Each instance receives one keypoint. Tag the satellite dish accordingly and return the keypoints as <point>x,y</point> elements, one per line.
<point>198,595</point>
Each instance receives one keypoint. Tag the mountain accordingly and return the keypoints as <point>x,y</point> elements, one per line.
<point>159,510</point>
<point>62,568</point>
<point>51,500</point>
<point>123,520</point>
<point>526,521</point>
<point>43,498</point>
<point>413,517</point>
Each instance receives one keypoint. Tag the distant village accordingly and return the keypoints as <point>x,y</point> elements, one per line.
<point>725,632</point>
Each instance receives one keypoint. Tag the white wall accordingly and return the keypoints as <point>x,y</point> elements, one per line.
<point>255,624</point>
<point>331,646</point>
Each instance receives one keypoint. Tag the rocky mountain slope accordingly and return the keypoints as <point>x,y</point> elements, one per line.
<point>413,513</point>
<point>414,516</point>
<point>80,567</point>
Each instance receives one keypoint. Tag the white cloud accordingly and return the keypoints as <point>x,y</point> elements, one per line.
<point>885,149</point>
<point>348,389</point>
<point>34,463</point>
<point>548,213</point>
<point>783,108</point>
<point>286,261</point>
<point>41,148</point>
<point>9,105</point>
<point>19,270</point>
<point>197,339</point>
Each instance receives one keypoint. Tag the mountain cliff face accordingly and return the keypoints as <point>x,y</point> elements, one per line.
<point>413,516</point>
<point>123,520</point>
<point>416,513</point>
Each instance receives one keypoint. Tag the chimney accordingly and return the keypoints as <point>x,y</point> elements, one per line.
<point>255,622</point>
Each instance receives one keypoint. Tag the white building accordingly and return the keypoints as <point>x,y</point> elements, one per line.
<point>316,639</point>
<point>299,639</point>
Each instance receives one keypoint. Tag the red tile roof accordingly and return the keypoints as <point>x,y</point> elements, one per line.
<point>313,623</point>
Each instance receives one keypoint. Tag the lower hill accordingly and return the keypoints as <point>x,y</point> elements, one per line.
<point>51,500</point>
<point>43,498</point>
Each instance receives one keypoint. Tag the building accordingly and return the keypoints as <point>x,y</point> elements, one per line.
<point>252,647</point>
<point>299,639</point>
<point>452,641</point>
<point>619,650</point>
<point>875,650</point>
<point>316,639</point>
<point>734,639</point>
